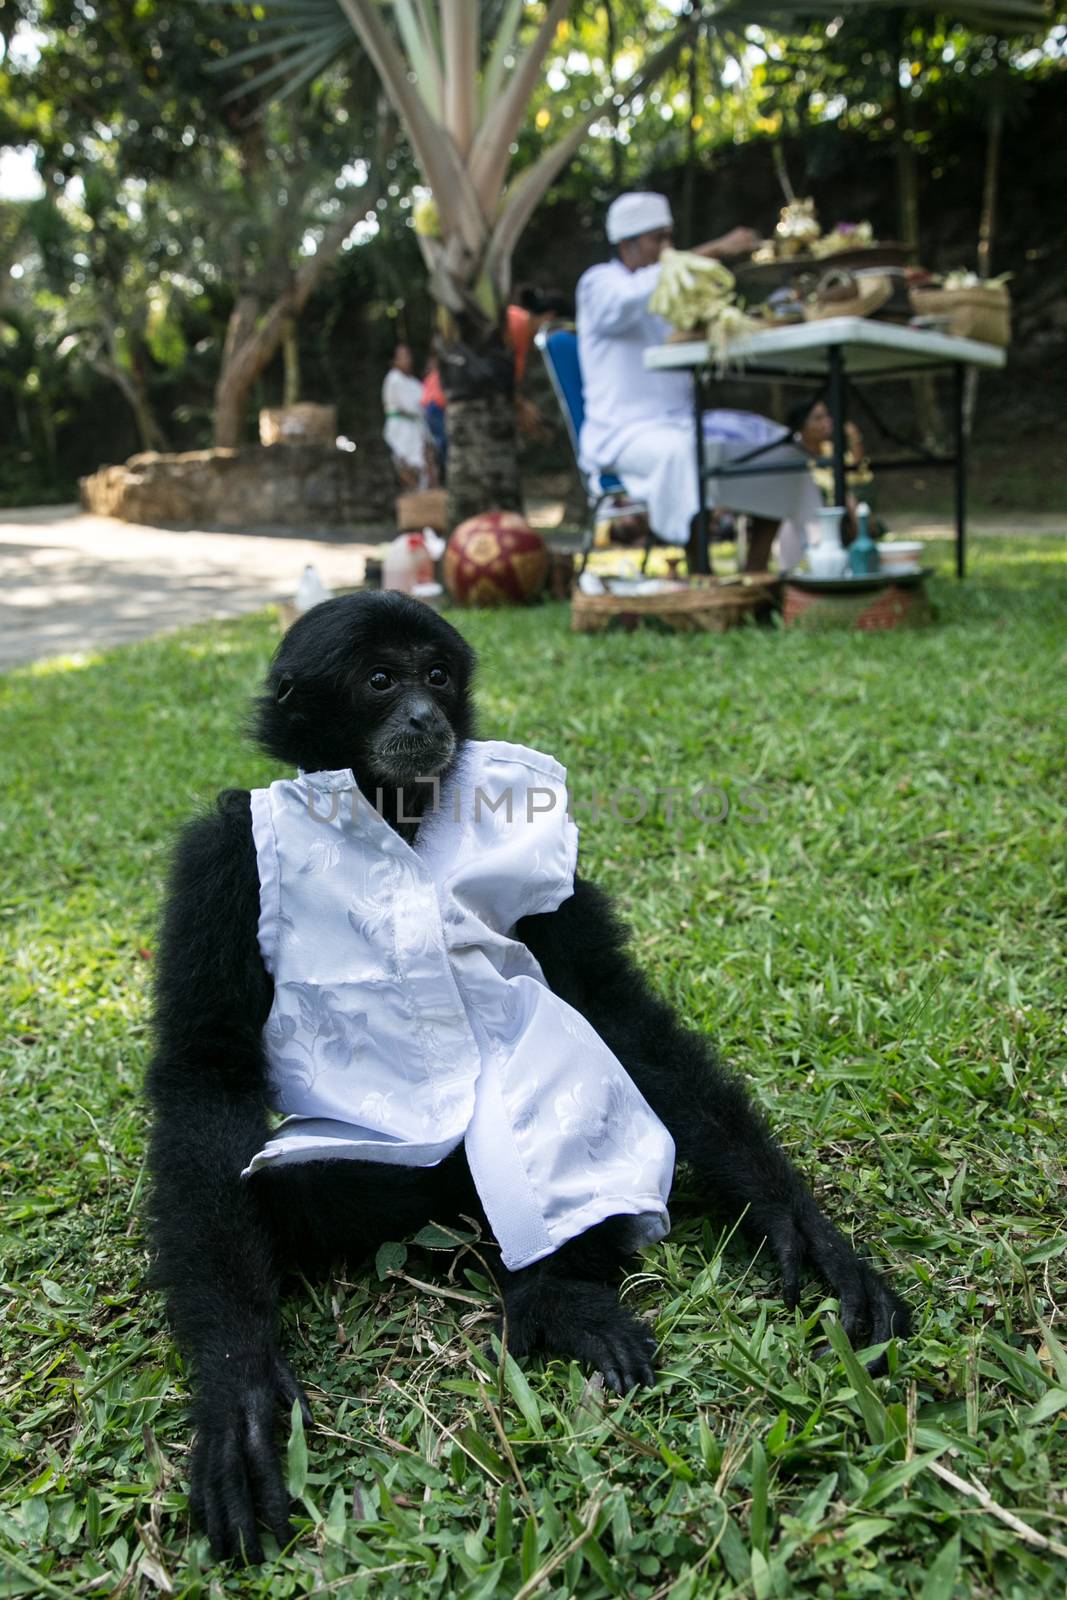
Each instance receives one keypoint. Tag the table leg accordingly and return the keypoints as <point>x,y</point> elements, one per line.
<point>703,557</point>
<point>961,474</point>
<point>837,413</point>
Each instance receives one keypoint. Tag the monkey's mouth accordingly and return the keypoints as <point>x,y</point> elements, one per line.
<point>405,757</point>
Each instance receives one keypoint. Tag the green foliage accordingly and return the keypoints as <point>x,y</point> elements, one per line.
<point>879,953</point>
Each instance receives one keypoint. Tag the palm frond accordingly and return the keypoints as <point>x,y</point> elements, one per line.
<point>438,158</point>
<point>503,43</point>
<point>491,150</point>
<point>522,197</point>
<point>459,33</point>
<point>296,67</point>
<point>423,53</point>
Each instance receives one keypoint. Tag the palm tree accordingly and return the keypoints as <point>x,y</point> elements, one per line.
<point>459,75</point>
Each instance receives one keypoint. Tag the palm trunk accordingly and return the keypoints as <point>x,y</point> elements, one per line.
<point>478,377</point>
<point>483,457</point>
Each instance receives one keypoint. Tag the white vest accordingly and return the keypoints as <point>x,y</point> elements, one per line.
<point>406,1020</point>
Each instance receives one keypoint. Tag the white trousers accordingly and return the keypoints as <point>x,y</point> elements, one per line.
<point>659,467</point>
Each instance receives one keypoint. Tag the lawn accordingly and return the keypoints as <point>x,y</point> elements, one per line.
<point>874,934</point>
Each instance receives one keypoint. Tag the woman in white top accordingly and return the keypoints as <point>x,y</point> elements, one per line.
<point>405,430</point>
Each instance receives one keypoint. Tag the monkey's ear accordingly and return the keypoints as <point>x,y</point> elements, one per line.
<point>286,685</point>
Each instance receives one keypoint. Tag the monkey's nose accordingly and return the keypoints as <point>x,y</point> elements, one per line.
<point>420,721</point>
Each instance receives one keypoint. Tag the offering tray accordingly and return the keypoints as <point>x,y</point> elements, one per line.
<point>857,583</point>
<point>757,279</point>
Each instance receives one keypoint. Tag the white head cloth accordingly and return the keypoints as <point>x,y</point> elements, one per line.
<point>639,212</point>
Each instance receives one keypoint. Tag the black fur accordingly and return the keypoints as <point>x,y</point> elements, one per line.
<point>222,1244</point>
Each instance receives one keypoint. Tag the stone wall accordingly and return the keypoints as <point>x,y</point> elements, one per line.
<point>298,486</point>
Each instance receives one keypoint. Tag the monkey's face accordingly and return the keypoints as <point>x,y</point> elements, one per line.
<point>377,682</point>
<point>404,704</point>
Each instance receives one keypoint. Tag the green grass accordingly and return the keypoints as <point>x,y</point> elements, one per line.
<point>881,954</point>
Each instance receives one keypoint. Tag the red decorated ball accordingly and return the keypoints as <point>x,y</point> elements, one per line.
<point>495,560</point>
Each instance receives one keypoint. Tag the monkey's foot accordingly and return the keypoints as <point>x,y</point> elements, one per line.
<point>584,1321</point>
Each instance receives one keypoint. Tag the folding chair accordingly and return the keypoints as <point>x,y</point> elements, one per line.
<point>606,497</point>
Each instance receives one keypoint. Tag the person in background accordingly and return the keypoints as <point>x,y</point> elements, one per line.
<point>405,429</point>
<point>433,411</point>
<point>812,426</point>
<point>639,424</point>
<point>532,311</point>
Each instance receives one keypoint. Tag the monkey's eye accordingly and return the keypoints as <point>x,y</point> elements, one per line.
<point>437,677</point>
<point>381,679</point>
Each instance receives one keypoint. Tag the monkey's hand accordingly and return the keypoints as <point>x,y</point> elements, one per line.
<point>236,1473</point>
<point>581,1321</point>
<point>871,1312</point>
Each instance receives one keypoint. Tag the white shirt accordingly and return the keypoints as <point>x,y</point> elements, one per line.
<point>615,327</point>
<point>406,1020</point>
<point>405,429</point>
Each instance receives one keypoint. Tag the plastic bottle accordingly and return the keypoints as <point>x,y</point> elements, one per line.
<point>409,560</point>
<point>310,591</point>
<point>863,557</point>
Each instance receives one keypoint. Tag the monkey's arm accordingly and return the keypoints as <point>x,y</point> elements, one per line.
<point>206,1086</point>
<point>718,1132</point>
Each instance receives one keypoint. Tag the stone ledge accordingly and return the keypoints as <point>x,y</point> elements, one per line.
<point>302,485</point>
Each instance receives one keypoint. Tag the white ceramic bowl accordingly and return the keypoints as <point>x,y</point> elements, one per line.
<point>897,555</point>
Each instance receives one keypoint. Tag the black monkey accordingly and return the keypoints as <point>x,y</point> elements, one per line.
<point>379,684</point>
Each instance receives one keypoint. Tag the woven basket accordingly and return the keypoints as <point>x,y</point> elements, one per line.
<point>304,423</point>
<point>422,508</point>
<point>701,608</point>
<point>982,313</point>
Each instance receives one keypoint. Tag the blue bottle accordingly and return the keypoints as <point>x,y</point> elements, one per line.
<point>863,557</point>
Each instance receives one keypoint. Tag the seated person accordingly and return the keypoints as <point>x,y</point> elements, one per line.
<point>639,424</point>
<point>812,426</point>
<point>406,433</point>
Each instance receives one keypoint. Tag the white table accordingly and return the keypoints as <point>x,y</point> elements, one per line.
<point>836,352</point>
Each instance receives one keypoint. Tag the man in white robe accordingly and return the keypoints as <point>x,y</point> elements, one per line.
<point>406,433</point>
<point>639,424</point>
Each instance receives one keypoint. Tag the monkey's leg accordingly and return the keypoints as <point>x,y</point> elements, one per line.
<point>718,1132</point>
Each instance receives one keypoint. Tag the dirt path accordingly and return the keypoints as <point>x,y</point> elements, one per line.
<point>71,582</point>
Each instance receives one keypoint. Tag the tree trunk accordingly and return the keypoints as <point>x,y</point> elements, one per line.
<point>291,358</point>
<point>923,392</point>
<point>688,177</point>
<point>231,389</point>
<point>987,227</point>
<point>152,435</point>
<point>483,457</point>
<point>251,343</point>
<point>617,153</point>
<point>132,386</point>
